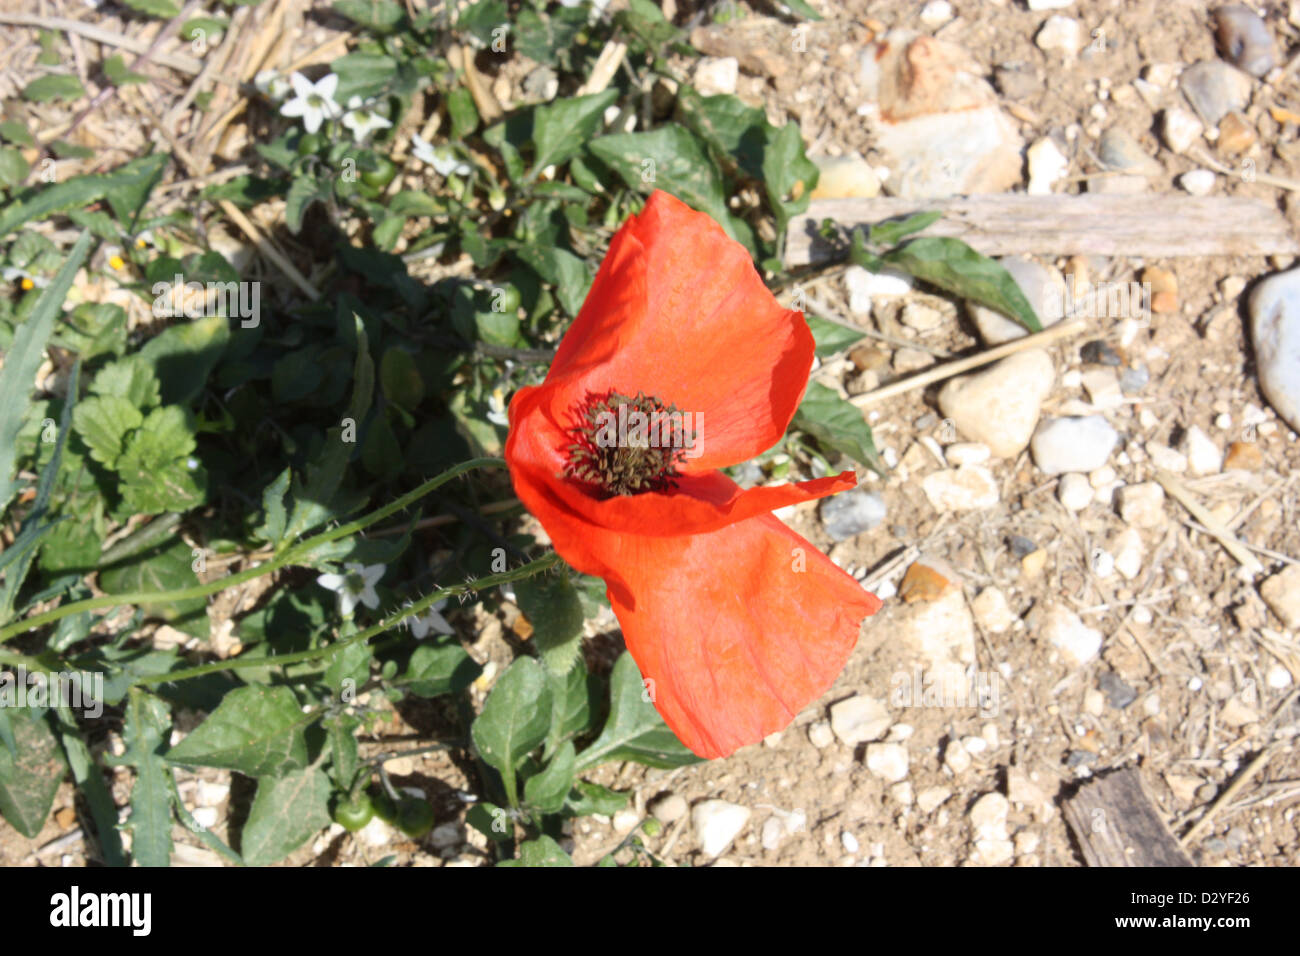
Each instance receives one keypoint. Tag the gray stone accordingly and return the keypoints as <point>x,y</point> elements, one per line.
<point>1243,39</point>
<point>1275,331</point>
<point>1214,89</point>
<point>1121,151</point>
<point>851,513</point>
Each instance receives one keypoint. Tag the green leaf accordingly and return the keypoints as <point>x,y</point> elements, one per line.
<point>184,355</point>
<point>830,337</point>
<point>146,727</point>
<point>400,379</point>
<point>464,116</point>
<point>634,730</point>
<point>540,852</point>
<point>304,191</point>
<point>363,74</point>
<point>13,168</point>
<point>313,497</point>
<point>491,821</point>
<point>133,179</point>
<point>287,812</point>
<point>377,16</point>
<point>551,605</point>
<point>344,752</point>
<point>481,19</point>
<point>437,669</point>
<point>129,378</point>
<point>29,779</point>
<point>587,798</point>
<point>155,467</point>
<point>549,38</point>
<point>729,126</point>
<point>256,730</point>
<point>789,175</point>
<point>162,569</point>
<point>673,160</point>
<point>54,86</point>
<point>802,8</point>
<point>117,73</point>
<point>208,27</point>
<point>955,267</point>
<point>571,705</point>
<point>163,9</point>
<point>103,422</point>
<point>546,791</point>
<point>571,276</point>
<point>514,720</point>
<point>15,132</point>
<point>24,357</point>
<point>837,424</point>
<point>893,231</point>
<point>274,517</point>
<point>561,128</point>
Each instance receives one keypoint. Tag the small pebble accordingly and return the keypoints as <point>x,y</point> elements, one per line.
<point>1244,39</point>
<point>1198,182</point>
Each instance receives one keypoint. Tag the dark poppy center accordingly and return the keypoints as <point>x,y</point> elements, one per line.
<point>624,445</point>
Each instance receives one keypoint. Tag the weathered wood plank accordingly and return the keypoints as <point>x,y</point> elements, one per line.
<point>1116,825</point>
<point>1156,225</point>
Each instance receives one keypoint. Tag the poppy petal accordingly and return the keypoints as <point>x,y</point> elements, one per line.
<point>738,629</point>
<point>678,311</point>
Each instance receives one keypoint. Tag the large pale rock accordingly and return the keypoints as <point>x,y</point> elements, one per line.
<point>1275,330</point>
<point>1000,405</point>
<point>717,823</point>
<point>939,124</point>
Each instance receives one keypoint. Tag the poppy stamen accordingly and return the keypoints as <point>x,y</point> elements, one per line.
<point>626,445</point>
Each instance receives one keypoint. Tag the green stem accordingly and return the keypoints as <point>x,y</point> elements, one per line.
<point>288,556</point>
<point>324,653</point>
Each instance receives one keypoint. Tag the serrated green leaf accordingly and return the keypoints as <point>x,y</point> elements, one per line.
<point>54,86</point>
<point>103,422</point>
<point>955,267</point>
<point>256,730</point>
<point>545,791</point>
<point>634,730</point>
<point>514,720</point>
<point>838,424</point>
<point>146,726</point>
<point>287,812</point>
<point>29,779</point>
<point>131,379</point>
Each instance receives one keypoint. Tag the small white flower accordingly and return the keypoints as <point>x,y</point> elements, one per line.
<point>442,159</point>
<point>24,278</point>
<point>272,84</point>
<point>363,121</point>
<point>431,620</point>
<point>357,585</point>
<point>497,414</point>
<point>314,102</point>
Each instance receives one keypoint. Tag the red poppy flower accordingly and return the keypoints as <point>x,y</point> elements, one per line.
<point>735,621</point>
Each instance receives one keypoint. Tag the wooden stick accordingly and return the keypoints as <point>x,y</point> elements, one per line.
<point>1059,331</point>
<point>1228,794</point>
<point>1178,491</point>
<point>1157,225</point>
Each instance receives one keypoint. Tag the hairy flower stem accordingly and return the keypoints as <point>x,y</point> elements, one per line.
<point>290,554</point>
<point>324,653</point>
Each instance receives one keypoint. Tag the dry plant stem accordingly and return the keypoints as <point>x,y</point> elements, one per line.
<point>1228,795</point>
<point>1281,182</point>
<point>487,104</point>
<point>1179,493</point>
<point>1059,331</point>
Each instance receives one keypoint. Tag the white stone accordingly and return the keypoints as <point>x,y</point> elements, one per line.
<point>820,734</point>
<point>1281,593</point>
<point>1278,677</point>
<point>865,286</point>
<point>849,842</point>
<point>966,453</point>
<point>1204,457</point>
<point>625,820</point>
<point>717,823</point>
<point>669,808</point>
<point>1050,4</point>
<point>1060,34</point>
<point>715,75</point>
<point>780,825</point>
<point>376,833</point>
<point>887,761</point>
<point>859,719</point>
<point>968,488</point>
<point>992,612</point>
<point>1102,385</point>
<point>1128,553</point>
<point>845,177</point>
<point>1275,331</point>
<point>1062,445</point>
<point>1044,288</point>
<point>975,745</point>
<point>1198,182</point>
<point>1162,456</point>
<point>936,13</point>
<point>1047,164</point>
<point>210,794</point>
<point>1101,477</point>
<point>1103,563</point>
<point>999,406</point>
<point>1142,505</point>
<point>902,792</point>
<point>1066,632</point>
<point>931,798</point>
<point>956,757</point>
<point>1074,492</point>
<point>206,817</point>
<point>1180,129</point>
<point>921,317</point>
